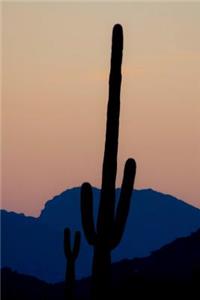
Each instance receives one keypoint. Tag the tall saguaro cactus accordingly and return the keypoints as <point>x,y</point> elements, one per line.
<point>71,256</point>
<point>111,221</point>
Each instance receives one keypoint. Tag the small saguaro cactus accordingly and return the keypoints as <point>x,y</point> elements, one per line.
<point>111,220</point>
<point>71,256</point>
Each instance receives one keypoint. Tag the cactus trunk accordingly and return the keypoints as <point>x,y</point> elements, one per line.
<point>71,254</point>
<point>70,280</point>
<point>101,279</point>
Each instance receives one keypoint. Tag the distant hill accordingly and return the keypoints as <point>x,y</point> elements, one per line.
<point>171,272</point>
<point>174,270</point>
<point>34,246</point>
<point>178,261</point>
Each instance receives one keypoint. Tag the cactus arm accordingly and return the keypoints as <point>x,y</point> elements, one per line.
<point>77,241</point>
<point>67,248</point>
<point>124,202</point>
<point>87,213</point>
<point>106,209</point>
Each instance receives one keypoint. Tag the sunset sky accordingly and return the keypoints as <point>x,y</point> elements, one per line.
<point>56,59</point>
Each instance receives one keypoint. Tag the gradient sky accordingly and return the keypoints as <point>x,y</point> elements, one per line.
<point>56,59</point>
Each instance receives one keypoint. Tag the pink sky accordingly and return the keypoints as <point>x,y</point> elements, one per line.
<point>55,82</point>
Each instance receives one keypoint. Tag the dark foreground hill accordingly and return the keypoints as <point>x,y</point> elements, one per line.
<point>34,246</point>
<point>174,270</point>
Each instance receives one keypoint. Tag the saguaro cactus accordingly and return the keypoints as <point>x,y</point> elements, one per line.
<point>71,256</point>
<point>111,221</point>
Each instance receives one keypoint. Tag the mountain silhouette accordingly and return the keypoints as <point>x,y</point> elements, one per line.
<point>34,246</point>
<point>172,270</point>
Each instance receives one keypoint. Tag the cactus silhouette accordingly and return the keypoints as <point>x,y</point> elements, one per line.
<point>71,256</point>
<point>111,220</point>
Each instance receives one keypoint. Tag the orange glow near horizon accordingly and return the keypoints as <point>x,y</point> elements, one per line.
<point>56,60</point>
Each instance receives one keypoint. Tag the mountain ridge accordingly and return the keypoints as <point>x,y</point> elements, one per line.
<point>155,219</point>
<point>94,188</point>
<point>159,271</point>
<point>54,198</point>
